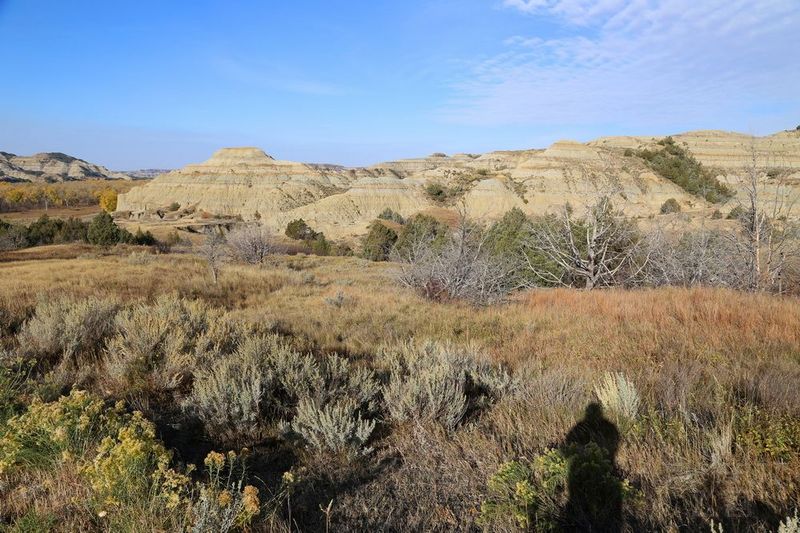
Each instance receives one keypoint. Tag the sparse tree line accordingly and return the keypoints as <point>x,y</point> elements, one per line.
<point>595,247</point>
<point>589,248</point>
<point>101,231</point>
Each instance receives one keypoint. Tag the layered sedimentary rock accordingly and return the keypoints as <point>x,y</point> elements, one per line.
<point>238,181</point>
<point>49,167</point>
<point>726,150</point>
<point>340,201</point>
<point>350,212</point>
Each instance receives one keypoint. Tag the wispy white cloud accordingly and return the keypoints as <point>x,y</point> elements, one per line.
<point>637,62</point>
<point>272,76</point>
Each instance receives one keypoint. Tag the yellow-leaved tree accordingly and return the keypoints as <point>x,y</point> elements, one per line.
<point>108,200</point>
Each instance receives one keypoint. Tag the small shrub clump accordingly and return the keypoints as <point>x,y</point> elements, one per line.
<point>671,205</point>
<point>224,503</point>
<point>300,231</point>
<point>316,242</point>
<point>103,231</point>
<point>737,213</point>
<point>574,488</point>
<point>391,215</point>
<point>527,496</point>
<point>251,244</point>
<point>45,432</point>
<point>264,383</point>
<point>618,395</point>
<point>420,229</point>
<point>232,396</point>
<point>439,383</point>
<point>69,331</point>
<point>126,473</point>
<point>336,427</point>
<point>437,192</point>
<point>155,345</point>
<point>378,243</point>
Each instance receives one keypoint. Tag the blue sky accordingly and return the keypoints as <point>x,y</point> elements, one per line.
<point>132,84</point>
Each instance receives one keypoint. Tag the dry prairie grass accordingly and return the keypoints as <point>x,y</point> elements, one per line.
<point>604,329</point>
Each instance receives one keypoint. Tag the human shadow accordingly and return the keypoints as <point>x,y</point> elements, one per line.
<point>595,490</point>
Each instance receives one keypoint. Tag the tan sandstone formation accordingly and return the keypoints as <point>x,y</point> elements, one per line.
<point>237,181</point>
<point>341,202</point>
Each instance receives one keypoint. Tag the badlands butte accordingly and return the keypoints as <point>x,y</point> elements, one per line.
<point>342,202</point>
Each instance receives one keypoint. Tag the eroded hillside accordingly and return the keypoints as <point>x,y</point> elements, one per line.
<point>247,183</point>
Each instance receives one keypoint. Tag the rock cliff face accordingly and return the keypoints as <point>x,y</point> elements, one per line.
<point>48,167</point>
<point>248,183</point>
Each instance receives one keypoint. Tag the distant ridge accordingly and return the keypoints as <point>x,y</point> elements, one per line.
<point>52,166</point>
<point>144,173</point>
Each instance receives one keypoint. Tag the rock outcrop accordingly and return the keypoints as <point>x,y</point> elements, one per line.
<point>51,166</point>
<point>341,202</point>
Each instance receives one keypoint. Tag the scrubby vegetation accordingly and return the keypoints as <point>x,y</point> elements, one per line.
<point>438,192</point>
<point>455,186</point>
<point>391,215</point>
<point>595,247</point>
<point>676,164</point>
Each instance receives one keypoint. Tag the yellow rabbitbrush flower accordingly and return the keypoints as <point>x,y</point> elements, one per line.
<point>252,505</point>
<point>126,466</point>
<point>214,460</point>
<point>175,488</point>
<point>224,498</point>
<point>49,433</point>
<point>221,500</point>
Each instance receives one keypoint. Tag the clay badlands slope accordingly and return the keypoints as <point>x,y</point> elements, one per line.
<point>342,202</point>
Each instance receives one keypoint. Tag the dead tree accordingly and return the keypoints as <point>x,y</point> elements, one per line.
<point>766,240</point>
<point>461,267</point>
<point>251,244</point>
<point>214,252</point>
<point>699,257</point>
<point>600,249</point>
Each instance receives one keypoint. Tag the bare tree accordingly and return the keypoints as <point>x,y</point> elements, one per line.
<point>766,240</point>
<point>461,267</point>
<point>600,249</point>
<point>251,244</point>
<point>214,252</point>
<point>701,257</point>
